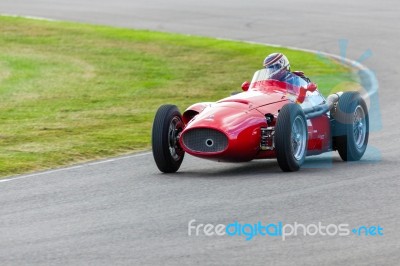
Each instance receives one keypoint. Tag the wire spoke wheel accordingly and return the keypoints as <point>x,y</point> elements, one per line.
<point>175,127</point>
<point>291,137</point>
<point>167,127</point>
<point>350,126</point>
<point>359,127</point>
<point>298,138</point>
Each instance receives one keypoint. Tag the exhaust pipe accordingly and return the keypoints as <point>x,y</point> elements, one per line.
<point>322,108</point>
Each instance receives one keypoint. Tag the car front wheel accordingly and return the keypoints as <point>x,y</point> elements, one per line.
<point>167,126</point>
<point>291,137</point>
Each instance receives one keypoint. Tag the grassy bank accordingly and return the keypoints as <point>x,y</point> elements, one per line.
<point>71,92</point>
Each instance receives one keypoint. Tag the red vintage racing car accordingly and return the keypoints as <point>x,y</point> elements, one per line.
<point>269,119</point>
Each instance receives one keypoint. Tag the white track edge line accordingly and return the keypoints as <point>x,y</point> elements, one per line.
<point>74,167</point>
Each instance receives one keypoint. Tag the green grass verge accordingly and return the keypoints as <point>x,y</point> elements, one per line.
<point>71,92</point>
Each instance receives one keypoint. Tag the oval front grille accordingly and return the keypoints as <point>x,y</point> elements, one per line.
<point>205,140</point>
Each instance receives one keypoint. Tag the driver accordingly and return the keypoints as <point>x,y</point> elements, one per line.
<point>279,67</point>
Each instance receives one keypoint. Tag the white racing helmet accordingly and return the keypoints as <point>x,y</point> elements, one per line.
<point>277,64</point>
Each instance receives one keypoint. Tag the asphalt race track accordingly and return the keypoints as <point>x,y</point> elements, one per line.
<point>123,211</point>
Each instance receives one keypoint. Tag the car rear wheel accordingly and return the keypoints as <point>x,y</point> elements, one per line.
<point>351,126</point>
<point>167,126</point>
<point>291,137</point>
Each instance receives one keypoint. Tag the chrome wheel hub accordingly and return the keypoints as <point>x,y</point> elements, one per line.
<point>298,138</point>
<point>175,127</point>
<point>359,127</point>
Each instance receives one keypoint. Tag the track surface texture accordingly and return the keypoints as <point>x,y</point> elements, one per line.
<point>123,211</point>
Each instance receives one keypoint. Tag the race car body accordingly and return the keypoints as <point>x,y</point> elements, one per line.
<point>269,119</point>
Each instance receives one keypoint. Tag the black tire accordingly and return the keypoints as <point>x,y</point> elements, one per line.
<point>351,126</point>
<point>167,152</point>
<point>291,137</point>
